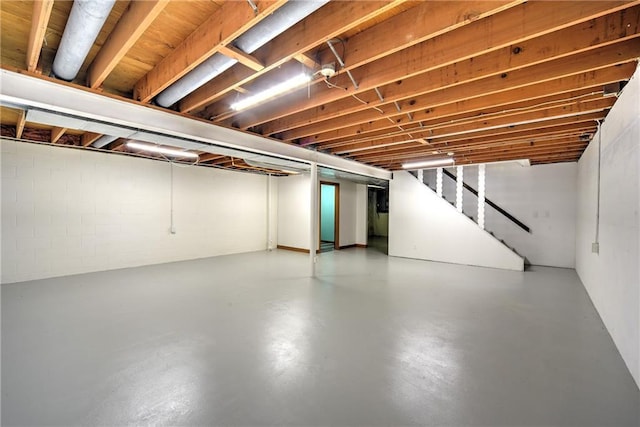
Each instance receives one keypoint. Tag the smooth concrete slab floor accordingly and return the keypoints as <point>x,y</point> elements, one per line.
<point>250,340</point>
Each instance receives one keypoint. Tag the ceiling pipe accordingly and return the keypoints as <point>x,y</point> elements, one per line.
<point>254,38</point>
<point>85,22</point>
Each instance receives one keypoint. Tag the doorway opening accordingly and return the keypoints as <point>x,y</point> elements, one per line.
<point>378,218</point>
<point>329,216</point>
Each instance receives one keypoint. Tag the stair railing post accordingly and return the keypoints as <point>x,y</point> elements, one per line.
<point>439,182</point>
<point>481,188</point>
<point>459,187</point>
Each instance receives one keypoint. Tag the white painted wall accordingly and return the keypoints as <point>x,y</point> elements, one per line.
<point>424,226</point>
<point>543,197</point>
<point>612,277</point>
<point>293,211</point>
<point>348,212</point>
<point>361,214</point>
<point>72,211</point>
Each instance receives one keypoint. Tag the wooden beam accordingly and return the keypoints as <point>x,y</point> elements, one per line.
<point>208,157</point>
<point>22,118</point>
<point>243,58</point>
<point>89,138</point>
<point>307,61</point>
<point>451,77</point>
<point>418,152</point>
<point>519,112</point>
<point>119,145</point>
<point>540,134</point>
<point>447,129</point>
<point>224,26</point>
<point>39,23</point>
<point>376,42</point>
<point>573,151</point>
<point>469,53</point>
<point>132,24</point>
<point>363,122</point>
<point>329,22</point>
<point>480,133</point>
<point>401,32</point>
<point>56,133</point>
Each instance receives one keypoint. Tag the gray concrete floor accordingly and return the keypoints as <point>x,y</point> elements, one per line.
<point>249,340</point>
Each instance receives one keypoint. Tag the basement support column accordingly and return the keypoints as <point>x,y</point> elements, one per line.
<point>421,176</point>
<point>459,187</point>
<point>313,219</point>
<point>439,182</point>
<point>481,187</point>
<point>269,238</point>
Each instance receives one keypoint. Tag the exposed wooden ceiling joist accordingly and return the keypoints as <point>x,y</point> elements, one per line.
<point>224,26</point>
<point>327,23</point>
<point>369,121</point>
<point>40,20</point>
<point>132,24</point>
<point>451,58</point>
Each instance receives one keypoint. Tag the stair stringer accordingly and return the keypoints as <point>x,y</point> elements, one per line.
<point>422,225</point>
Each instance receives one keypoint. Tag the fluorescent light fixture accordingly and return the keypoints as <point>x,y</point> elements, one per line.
<point>280,88</point>
<point>161,150</point>
<point>427,163</point>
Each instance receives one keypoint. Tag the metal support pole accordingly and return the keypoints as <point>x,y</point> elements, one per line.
<point>421,176</point>
<point>269,238</point>
<point>439,182</point>
<point>313,219</point>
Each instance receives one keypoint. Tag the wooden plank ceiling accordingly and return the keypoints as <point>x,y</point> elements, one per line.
<point>479,81</point>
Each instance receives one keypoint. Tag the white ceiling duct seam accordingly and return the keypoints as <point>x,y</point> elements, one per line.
<point>254,38</point>
<point>85,22</point>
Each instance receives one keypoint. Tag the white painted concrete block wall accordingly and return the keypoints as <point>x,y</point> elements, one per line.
<point>71,211</point>
<point>424,226</point>
<point>612,277</point>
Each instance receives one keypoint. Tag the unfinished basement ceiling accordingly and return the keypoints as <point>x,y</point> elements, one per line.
<point>479,81</point>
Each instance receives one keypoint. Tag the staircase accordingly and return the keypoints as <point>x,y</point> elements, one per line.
<point>506,215</point>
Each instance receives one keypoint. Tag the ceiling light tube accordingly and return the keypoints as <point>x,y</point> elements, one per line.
<point>428,163</point>
<point>161,150</point>
<point>280,88</point>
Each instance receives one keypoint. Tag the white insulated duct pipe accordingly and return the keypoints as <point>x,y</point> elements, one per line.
<point>85,22</point>
<point>254,38</point>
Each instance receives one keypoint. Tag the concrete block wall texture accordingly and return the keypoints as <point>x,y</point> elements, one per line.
<point>424,226</point>
<point>72,211</point>
<point>612,276</point>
